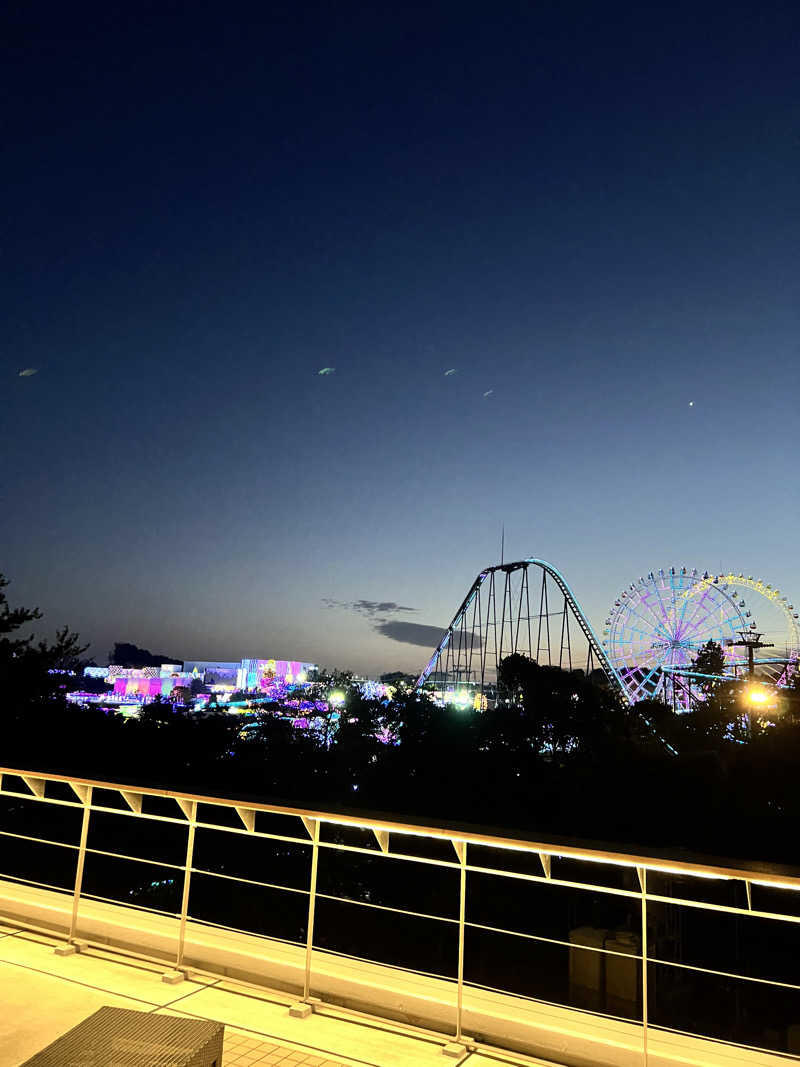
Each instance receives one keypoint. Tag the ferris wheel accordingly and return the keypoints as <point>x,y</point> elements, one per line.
<point>659,624</point>
<point>775,618</point>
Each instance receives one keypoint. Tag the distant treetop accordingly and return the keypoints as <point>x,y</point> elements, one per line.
<point>124,654</point>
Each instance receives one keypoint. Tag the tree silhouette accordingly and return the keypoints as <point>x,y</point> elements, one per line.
<point>710,659</point>
<point>25,667</point>
<point>11,620</point>
<point>125,654</point>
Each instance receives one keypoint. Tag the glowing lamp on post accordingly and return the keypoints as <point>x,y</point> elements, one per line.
<point>756,697</point>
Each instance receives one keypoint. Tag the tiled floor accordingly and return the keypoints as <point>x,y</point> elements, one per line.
<point>241,1051</point>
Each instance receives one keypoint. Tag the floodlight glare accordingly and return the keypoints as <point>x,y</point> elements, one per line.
<point>756,696</point>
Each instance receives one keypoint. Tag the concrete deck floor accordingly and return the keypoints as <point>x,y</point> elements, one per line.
<point>44,995</point>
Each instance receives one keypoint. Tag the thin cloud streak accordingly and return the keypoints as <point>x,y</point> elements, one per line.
<point>372,609</point>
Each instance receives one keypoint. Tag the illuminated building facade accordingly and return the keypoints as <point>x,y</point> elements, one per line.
<point>213,672</point>
<point>147,683</point>
<point>267,674</point>
<point>264,676</point>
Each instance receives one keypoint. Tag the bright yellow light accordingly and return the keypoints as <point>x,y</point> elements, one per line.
<point>756,696</point>
<point>336,698</point>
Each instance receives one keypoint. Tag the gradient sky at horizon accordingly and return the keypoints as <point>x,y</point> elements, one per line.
<point>589,209</point>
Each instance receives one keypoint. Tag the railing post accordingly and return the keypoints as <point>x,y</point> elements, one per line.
<point>462,908</point>
<point>305,1007</point>
<point>177,974</point>
<point>456,1049</point>
<point>643,883</point>
<point>72,945</point>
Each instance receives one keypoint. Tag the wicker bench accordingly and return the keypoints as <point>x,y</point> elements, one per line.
<point>119,1037</point>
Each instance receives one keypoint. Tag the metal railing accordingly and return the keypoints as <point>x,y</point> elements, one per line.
<point>630,975</point>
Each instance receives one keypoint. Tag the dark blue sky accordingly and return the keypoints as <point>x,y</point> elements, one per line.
<point>589,209</point>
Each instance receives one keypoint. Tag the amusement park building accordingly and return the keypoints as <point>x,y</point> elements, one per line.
<point>140,684</point>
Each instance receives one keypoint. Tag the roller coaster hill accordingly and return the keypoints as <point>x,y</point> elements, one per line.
<point>649,645</point>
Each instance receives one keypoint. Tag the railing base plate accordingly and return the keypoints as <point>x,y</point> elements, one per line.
<point>172,977</point>
<point>301,1010</point>
<point>71,947</point>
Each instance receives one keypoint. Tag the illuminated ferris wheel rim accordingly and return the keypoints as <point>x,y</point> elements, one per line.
<point>771,593</point>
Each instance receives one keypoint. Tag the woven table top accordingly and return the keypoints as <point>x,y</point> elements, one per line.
<point>120,1037</point>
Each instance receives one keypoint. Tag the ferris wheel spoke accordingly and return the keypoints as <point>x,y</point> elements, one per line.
<point>660,622</point>
<point>726,603</point>
<point>692,620</point>
<point>710,612</point>
<point>642,686</point>
<point>685,598</point>
<point>664,611</point>
<point>666,614</point>
<point>648,626</point>
<point>695,624</point>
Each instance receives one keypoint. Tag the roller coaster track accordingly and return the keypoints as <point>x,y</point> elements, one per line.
<point>471,651</point>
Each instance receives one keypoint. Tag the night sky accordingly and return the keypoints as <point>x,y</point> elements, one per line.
<point>588,211</point>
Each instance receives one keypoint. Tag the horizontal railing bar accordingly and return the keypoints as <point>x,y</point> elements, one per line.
<point>723,974</point>
<point>789,1057</point>
<point>39,840</point>
<point>565,851</point>
<point>725,908</point>
<point>177,820</point>
<point>32,881</point>
<point>555,941</point>
<point>180,820</point>
<point>241,930</point>
<point>395,966</point>
<point>134,859</point>
<point>543,880</point>
<point>555,1003</point>
<point>254,833</point>
<point>248,881</point>
<point>317,948</point>
<point>129,904</point>
<point>46,799</point>
<point>386,907</point>
<point>359,849</point>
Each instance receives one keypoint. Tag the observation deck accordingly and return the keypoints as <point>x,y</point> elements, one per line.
<point>329,938</point>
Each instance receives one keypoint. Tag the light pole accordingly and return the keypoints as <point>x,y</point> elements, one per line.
<point>751,640</point>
